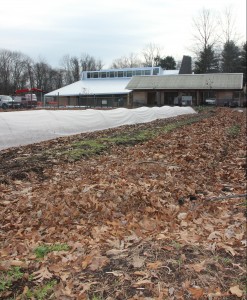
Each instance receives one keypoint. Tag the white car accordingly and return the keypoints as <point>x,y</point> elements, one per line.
<point>210,102</point>
<point>7,102</point>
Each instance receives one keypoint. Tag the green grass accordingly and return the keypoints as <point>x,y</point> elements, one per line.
<point>10,277</point>
<point>42,250</point>
<point>97,298</point>
<point>7,278</point>
<point>85,148</point>
<point>97,146</point>
<point>176,245</point>
<point>234,131</point>
<point>225,261</point>
<point>204,108</point>
<point>90,147</point>
<point>42,292</point>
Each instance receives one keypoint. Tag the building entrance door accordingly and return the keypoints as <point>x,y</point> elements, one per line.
<point>151,101</point>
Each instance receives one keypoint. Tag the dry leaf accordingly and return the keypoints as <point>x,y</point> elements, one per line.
<point>116,273</point>
<point>25,290</point>
<point>4,203</point>
<point>18,263</point>
<point>214,235</point>
<point>196,292</point>
<point>144,282</point>
<point>198,267</point>
<point>138,261</point>
<point>86,287</point>
<point>117,253</point>
<point>42,274</point>
<point>235,290</point>
<point>186,284</point>
<point>141,273</point>
<point>98,262</point>
<point>64,276</point>
<point>182,215</point>
<point>155,265</point>
<point>217,293</point>
<point>228,249</point>
<point>86,261</point>
<point>171,291</point>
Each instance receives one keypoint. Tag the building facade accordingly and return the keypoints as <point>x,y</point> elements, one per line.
<point>104,88</point>
<point>149,86</point>
<point>189,89</point>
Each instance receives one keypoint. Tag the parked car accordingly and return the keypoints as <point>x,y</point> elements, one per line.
<point>211,101</point>
<point>27,100</point>
<point>8,102</point>
<point>231,103</point>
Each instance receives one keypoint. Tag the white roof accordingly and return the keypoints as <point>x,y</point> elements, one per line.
<point>102,86</point>
<point>93,87</point>
<point>170,72</point>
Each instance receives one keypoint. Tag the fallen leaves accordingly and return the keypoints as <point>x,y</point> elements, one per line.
<point>129,236</point>
<point>198,267</point>
<point>142,283</point>
<point>155,265</point>
<point>6,264</point>
<point>235,290</point>
<point>228,249</point>
<point>94,261</point>
<point>196,292</point>
<point>42,274</point>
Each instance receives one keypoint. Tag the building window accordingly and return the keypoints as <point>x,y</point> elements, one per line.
<point>156,71</point>
<point>120,74</point>
<point>125,73</point>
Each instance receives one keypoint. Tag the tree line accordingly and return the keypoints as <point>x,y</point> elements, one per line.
<point>212,53</point>
<point>18,71</point>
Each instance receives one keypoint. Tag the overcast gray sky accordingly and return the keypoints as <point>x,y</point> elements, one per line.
<point>105,29</point>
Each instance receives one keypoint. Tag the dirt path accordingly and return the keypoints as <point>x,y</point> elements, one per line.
<point>138,220</point>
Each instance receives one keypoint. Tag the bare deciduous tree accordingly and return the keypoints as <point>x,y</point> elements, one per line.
<point>56,79</point>
<point>90,63</point>
<point>131,61</point>
<point>68,69</point>
<point>41,75</point>
<point>227,23</point>
<point>150,52</point>
<point>13,71</point>
<point>206,42</point>
<point>205,34</point>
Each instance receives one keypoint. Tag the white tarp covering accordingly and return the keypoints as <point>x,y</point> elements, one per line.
<point>27,127</point>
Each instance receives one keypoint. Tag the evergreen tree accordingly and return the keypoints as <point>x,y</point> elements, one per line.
<point>230,58</point>
<point>167,63</point>
<point>243,61</point>
<point>207,61</point>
